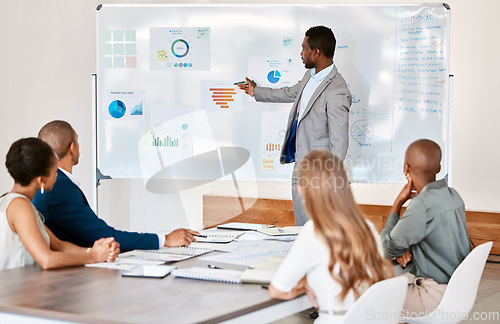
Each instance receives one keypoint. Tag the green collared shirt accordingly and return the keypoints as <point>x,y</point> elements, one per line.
<point>434,227</point>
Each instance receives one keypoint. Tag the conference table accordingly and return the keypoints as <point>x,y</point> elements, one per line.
<point>99,295</point>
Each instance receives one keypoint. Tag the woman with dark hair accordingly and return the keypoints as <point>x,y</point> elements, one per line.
<point>24,239</point>
<point>338,253</point>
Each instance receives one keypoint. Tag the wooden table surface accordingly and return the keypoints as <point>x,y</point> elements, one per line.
<point>96,295</point>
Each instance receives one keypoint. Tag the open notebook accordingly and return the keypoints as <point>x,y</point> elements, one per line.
<point>218,236</point>
<point>166,254</point>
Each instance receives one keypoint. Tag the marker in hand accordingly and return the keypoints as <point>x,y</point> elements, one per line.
<point>248,86</point>
<point>242,82</point>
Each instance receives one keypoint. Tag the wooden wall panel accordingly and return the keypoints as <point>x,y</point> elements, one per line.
<point>483,226</point>
<point>221,209</point>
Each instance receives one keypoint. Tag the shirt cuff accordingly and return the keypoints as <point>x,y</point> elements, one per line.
<point>161,240</point>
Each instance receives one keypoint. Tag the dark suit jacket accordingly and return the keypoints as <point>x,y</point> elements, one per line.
<point>69,216</point>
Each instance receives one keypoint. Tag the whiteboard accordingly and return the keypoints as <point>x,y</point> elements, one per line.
<point>168,109</point>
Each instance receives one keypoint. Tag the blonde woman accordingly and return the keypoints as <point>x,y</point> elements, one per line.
<point>24,239</point>
<point>338,253</point>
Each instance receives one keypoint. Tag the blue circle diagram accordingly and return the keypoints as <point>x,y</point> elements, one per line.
<point>117,109</point>
<point>362,131</point>
<point>180,48</point>
<point>274,76</point>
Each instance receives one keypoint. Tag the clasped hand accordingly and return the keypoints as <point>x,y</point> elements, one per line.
<point>405,259</point>
<point>106,249</point>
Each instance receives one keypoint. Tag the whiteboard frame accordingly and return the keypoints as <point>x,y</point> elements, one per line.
<point>447,118</point>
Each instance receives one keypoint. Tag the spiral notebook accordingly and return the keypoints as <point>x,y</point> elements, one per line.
<point>251,276</point>
<point>221,275</point>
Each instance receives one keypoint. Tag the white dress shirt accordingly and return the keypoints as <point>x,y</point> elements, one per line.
<point>311,86</point>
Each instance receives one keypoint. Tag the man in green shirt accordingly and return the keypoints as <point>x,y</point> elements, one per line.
<point>431,236</point>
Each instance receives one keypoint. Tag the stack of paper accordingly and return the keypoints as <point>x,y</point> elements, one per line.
<point>243,226</point>
<point>123,264</point>
<point>275,231</point>
<point>257,276</point>
<point>271,263</point>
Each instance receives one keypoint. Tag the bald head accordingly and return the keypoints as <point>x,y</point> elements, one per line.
<point>423,158</point>
<point>59,135</point>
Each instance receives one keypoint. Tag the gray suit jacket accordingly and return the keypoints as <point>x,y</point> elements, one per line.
<point>325,122</point>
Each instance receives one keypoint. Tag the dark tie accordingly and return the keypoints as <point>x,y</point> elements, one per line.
<point>290,144</point>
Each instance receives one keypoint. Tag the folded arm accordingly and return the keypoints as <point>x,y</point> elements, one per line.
<point>399,234</point>
<point>69,212</point>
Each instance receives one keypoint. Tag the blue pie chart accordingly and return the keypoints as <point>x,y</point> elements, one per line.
<point>117,109</point>
<point>274,76</point>
<point>180,48</point>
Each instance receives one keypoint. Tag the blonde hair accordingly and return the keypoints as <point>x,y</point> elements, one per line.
<point>340,223</point>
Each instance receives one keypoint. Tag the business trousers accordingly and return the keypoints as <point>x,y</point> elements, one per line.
<point>298,205</point>
<point>422,297</point>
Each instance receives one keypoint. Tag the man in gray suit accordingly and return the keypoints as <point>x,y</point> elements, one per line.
<point>319,118</point>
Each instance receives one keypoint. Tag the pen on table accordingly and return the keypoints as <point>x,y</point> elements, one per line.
<point>211,266</point>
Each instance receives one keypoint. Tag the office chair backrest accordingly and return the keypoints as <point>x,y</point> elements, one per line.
<point>461,292</point>
<point>380,303</point>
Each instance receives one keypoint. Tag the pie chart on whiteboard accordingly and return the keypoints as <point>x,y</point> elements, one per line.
<point>274,76</point>
<point>117,109</point>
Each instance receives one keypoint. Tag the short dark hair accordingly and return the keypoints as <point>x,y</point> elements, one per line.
<point>59,135</point>
<point>322,38</point>
<point>29,158</point>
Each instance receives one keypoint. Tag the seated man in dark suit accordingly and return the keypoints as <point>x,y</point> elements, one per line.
<point>67,212</point>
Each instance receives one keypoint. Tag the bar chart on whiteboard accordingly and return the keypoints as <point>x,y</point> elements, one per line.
<point>220,96</point>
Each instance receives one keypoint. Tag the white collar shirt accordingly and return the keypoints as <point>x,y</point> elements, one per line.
<point>311,86</point>
<point>71,177</point>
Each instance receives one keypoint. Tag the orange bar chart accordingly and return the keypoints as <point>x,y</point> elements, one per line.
<point>271,147</point>
<point>223,96</point>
